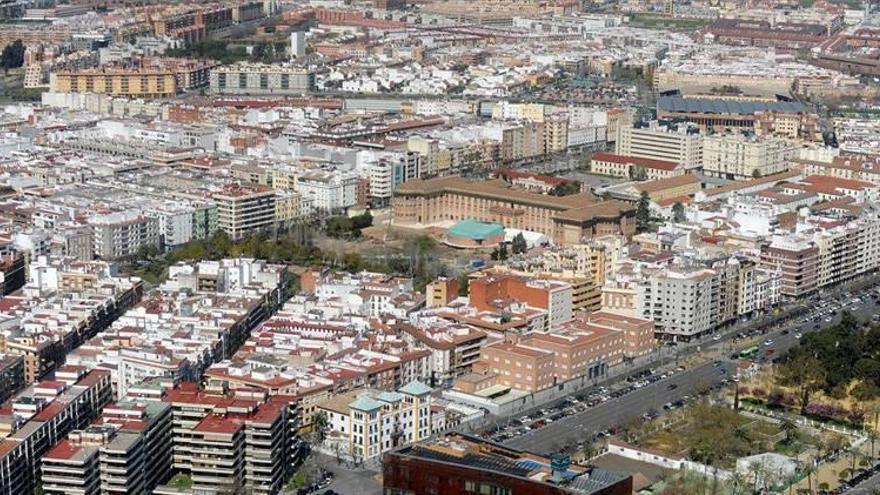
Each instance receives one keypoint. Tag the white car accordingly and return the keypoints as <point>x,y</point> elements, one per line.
<point>768,342</point>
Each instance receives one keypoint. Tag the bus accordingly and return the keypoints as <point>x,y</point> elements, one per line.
<point>748,353</point>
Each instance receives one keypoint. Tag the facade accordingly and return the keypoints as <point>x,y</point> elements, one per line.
<point>495,292</point>
<point>631,167</point>
<point>363,425</point>
<point>120,235</point>
<point>40,417</point>
<point>735,156</point>
<point>797,261</point>
<point>678,143</point>
<point>637,333</point>
<point>261,79</point>
<point>148,77</point>
<point>565,219</point>
<point>518,366</point>
<point>244,210</point>
<point>458,463</point>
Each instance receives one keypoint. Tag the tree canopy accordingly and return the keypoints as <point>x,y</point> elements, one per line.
<point>13,55</point>
<point>839,360</point>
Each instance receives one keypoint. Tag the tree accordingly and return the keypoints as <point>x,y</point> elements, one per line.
<point>502,252</point>
<point>678,214</point>
<point>804,372</point>
<point>519,244</point>
<point>463,285</point>
<point>565,189</point>
<point>319,426</point>
<point>790,430</point>
<point>362,221</point>
<point>339,227</point>
<point>12,56</point>
<point>756,174</point>
<point>643,212</point>
<point>638,173</point>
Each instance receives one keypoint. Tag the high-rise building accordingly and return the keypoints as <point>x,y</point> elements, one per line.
<point>298,44</point>
<point>244,210</point>
<point>680,143</point>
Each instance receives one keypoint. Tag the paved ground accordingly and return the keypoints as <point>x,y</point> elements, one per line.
<point>347,481</point>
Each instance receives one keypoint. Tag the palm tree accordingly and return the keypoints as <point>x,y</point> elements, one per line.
<point>790,429</point>
<point>809,469</point>
<point>872,437</point>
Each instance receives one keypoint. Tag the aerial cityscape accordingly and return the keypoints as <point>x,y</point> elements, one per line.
<point>439,247</point>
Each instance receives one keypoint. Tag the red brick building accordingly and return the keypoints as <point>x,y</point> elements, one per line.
<point>461,464</point>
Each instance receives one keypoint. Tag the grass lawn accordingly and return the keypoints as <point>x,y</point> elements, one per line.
<point>699,427</point>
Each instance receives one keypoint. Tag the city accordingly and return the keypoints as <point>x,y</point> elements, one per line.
<point>498,247</point>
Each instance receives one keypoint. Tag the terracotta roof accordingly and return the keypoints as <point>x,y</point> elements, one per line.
<point>635,160</point>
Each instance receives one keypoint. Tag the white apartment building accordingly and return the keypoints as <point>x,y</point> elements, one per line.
<point>328,191</point>
<point>386,171</point>
<point>175,223</point>
<point>375,422</point>
<point>736,156</point>
<point>680,302</point>
<point>117,235</point>
<point>680,143</point>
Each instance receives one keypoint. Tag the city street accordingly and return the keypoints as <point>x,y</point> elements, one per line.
<point>576,428</point>
<point>618,411</point>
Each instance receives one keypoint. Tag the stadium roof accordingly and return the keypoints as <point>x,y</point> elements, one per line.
<point>709,105</point>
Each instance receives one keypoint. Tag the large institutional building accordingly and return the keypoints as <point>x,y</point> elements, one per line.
<point>564,219</point>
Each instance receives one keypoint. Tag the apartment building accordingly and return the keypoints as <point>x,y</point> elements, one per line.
<point>124,234</point>
<point>41,416</point>
<point>144,78</point>
<point>441,157</point>
<point>441,291</point>
<point>454,348</point>
<point>244,210</point>
<point>680,301</point>
<point>497,291</point>
<point>229,442</point>
<point>797,262</point>
<point>11,375</point>
<point>386,173</point>
<point>852,167</point>
<point>126,451</point>
<point>261,79</point>
<point>737,156</point>
<point>326,191</point>
<point>679,143</point>
<point>364,424</point>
